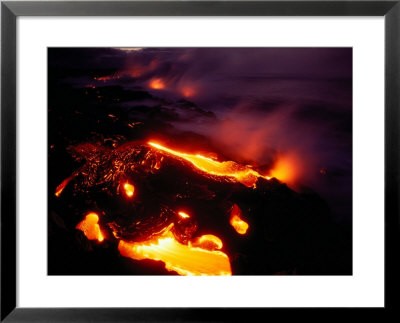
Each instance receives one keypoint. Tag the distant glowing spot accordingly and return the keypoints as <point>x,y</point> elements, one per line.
<point>153,64</point>
<point>136,71</point>
<point>157,84</point>
<point>183,215</point>
<point>129,189</point>
<point>236,221</point>
<point>188,91</point>
<point>90,227</point>
<point>130,49</point>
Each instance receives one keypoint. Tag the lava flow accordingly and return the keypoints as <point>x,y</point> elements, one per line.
<point>61,187</point>
<point>197,258</point>
<point>129,189</point>
<point>183,215</point>
<point>90,227</point>
<point>169,237</point>
<point>237,222</point>
<point>243,174</point>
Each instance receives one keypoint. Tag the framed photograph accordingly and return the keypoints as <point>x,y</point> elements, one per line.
<point>197,160</point>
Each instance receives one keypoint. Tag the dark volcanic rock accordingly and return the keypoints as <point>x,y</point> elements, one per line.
<point>289,233</point>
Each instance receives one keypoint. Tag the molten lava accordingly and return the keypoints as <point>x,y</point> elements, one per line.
<point>90,227</point>
<point>129,189</point>
<point>286,168</point>
<point>106,78</point>
<point>244,174</point>
<point>207,241</point>
<point>184,215</point>
<point>197,258</point>
<point>236,221</point>
<point>169,237</point>
<point>61,187</point>
<point>157,84</point>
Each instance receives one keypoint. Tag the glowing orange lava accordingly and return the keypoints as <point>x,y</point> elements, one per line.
<point>129,189</point>
<point>243,174</point>
<point>61,187</point>
<point>284,168</point>
<point>157,84</point>
<point>106,78</point>
<point>90,227</point>
<point>197,258</point>
<point>183,215</point>
<point>236,221</point>
<point>207,241</point>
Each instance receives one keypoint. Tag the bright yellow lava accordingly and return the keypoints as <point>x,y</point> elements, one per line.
<point>207,241</point>
<point>90,227</point>
<point>183,215</point>
<point>129,189</point>
<point>236,221</point>
<point>243,174</point>
<point>239,225</point>
<point>198,258</point>
<point>157,84</point>
<point>61,187</point>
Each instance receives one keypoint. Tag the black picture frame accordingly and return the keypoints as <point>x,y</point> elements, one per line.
<point>10,10</point>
